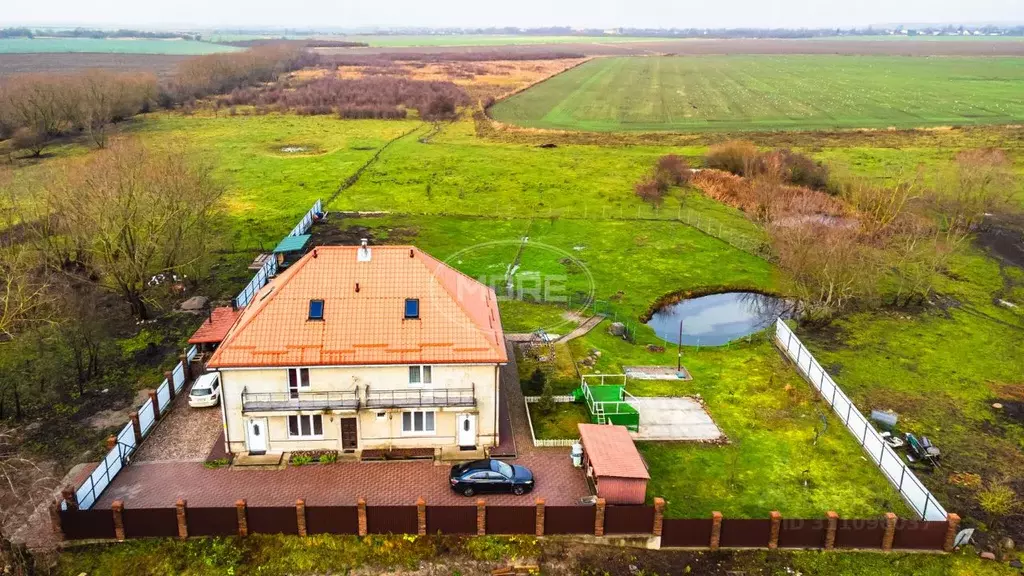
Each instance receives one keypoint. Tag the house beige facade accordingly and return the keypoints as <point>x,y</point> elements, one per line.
<point>355,349</point>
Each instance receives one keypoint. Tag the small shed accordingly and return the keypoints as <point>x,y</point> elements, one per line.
<point>613,464</point>
<point>215,328</point>
<point>290,249</point>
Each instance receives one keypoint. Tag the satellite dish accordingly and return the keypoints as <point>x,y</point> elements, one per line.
<point>963,537</point>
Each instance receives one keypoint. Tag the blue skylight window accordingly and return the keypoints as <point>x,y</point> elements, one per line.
<point>316,309</point>
<point>412,308</point>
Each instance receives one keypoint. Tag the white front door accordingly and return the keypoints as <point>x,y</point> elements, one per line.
<point>256,435</point>
<point>467,429</point>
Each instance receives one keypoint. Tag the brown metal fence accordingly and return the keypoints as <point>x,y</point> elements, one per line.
<point>150,522</point>
<point>511,519</point>
<point>802,533</point>
<point>212,521</point>
<point>860,533</point>
<point>918,535</point>
<point>569,520</point>
<point>742,533</point>
<point>451,519</point>
<point>332,520</point>
<point>273,520</point>
<point>686,532</point>
<point>628,519</point>
<point>87,524</point>
<point>391,519</point>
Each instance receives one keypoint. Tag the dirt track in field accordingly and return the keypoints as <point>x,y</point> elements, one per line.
<point>159,64</point>
<point>950,47</point>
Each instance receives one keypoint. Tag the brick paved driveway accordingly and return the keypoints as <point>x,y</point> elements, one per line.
<point>158,484</point>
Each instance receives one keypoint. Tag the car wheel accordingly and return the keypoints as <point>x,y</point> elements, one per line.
<point>467,492</point>
<point>518,490</point>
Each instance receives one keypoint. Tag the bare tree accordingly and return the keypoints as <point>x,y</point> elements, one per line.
<point>979,182</point>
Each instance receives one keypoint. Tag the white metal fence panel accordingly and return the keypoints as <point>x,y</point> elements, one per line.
<point>146,417</point>
<point>163,396</point>
<point>178,377</point>
<point>126,438</point>
<point>191,353</point>
<point>889,462</point>
<point>268,270</point>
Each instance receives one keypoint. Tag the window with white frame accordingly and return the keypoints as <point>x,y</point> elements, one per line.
<point>306,426</point>
<point>418,422</point>
<point>419,375</point>
<point>298,381</point>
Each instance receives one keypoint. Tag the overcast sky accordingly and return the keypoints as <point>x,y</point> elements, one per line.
<point>523,13</point>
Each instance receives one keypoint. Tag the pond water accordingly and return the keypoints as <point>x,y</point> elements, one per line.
<point>718,319</point>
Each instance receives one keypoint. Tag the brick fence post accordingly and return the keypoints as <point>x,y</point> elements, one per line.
<point>481,517</point>
<point>540,517</point>
<point>773,535</point>
<point>659,516</point>
<point>830,532</point>
<point>186,369</point>
<point>361,515</point>
<point>300,516</point>
<point>58,530</point>
<point>156,405</point>
<point>179,508</point>
<point>118,509</point>
<point>599,517</point>
<point>243,519</point>
<point>716,531</point>
<point>890,531</point>
<point>70,496</point>
<point>421,516</point>
<point>136,427</point>
<point>170,383</point>
<point>952,523</point>
<point>111,442</point>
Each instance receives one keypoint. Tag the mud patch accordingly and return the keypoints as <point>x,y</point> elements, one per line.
<point>1003,237</point>
<point>337,233</point>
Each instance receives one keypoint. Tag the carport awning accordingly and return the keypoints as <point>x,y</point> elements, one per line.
<point>612,452</point>
<point>292,243</point>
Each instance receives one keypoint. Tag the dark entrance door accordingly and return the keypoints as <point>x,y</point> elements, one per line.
<point>349,436</point>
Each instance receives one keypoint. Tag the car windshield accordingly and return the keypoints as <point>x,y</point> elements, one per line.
<point>201,391</point>
<point>502,468</point>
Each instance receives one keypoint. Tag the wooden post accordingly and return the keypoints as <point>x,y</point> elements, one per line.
<point>599,517</point>
<point>716,531</point>
<point>70,496</point>
<point>170,383</point>
<point>118,509</point>
<point>421,516</point>
<point>243,520</point>
<point>136,427</point>
<point>890,532</point>
<point>773,535</point>
<point>361,514</point>
<point>952,523</point>
<point>182,518</point>
<point>540,517</point>
<point>830,534</point>
<point>659,516</point>
<point>156,405</point>
<point>58,530</point>
<point>300,516</point>
<point>481,517</point>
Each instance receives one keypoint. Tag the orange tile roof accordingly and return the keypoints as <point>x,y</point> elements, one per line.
<point>612,452</point>
<point>458,323</point>
<point>216,327</point>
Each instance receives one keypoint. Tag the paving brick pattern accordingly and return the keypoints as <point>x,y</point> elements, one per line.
<point>156,484</point>
<point>183,434</point>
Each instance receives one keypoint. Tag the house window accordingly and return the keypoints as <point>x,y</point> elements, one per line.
<point>418,422</point>
<point>412,308</point>
<point>298,381</point>
<point>306,426</point>
<point>419,375</point>
<point>316,309</point>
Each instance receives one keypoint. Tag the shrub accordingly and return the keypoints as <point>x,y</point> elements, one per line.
<point>650,190</point>
<point>672,170</point>
<point>546,404</point>
<point>217,463</point>
<point>300,459</point>
<point>736,156</point>
<point>535,384</point>
<point>803,170</point>
<point>998,499</point>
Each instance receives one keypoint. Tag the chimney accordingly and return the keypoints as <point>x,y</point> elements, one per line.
<point>363,254</point>
<point>314,252</point>
<point>411,255</point>
<point>357,286</point>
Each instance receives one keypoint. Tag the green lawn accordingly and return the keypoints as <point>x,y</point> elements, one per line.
<point>560,424</point>
<point>110,46</point>
<point>399,40</point>
<point>791,92</point>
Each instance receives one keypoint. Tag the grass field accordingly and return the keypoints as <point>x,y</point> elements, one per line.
<point>109,46</point>
<point>400,40</point>
<point>749,93</point>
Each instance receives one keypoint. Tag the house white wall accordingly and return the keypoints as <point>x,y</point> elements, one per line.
<point>377,428</point>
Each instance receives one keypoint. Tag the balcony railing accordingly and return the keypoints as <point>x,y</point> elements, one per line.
<point>414,398</point>
<point>272,401</point>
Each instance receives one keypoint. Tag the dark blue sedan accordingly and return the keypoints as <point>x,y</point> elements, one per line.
<point>490,476</point>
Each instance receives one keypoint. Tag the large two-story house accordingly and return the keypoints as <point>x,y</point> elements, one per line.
<point>358,348</point>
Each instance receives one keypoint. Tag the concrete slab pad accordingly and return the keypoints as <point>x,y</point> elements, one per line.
<point>674,418</point>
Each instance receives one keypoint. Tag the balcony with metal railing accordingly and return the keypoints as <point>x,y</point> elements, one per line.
<point>289,401</point>
<point>416,398</point>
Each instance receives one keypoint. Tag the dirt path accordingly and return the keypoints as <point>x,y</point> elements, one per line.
<point>351,180</point>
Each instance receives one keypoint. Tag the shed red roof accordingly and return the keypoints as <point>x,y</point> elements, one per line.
<point>216,327</point>
<point>612,452</point>
<point>363,314</point>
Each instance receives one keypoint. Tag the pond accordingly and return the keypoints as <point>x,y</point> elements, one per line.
<point>718,319</point>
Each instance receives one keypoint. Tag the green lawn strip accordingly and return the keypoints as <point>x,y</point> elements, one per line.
<point>560,424</point>
<point>110,46</point>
